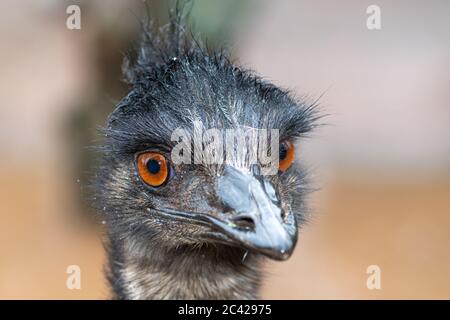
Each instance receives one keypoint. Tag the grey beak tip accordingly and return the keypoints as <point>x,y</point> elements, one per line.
<point>255,198</point>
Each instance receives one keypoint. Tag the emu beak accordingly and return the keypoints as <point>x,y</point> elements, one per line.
<point>257,220</point>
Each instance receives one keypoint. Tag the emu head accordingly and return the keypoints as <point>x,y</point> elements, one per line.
<point>151,198</point>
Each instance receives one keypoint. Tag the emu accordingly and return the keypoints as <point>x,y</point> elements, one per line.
<point>196,231</point>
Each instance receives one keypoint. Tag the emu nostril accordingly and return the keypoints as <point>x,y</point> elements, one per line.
<point>283,215</point>
<point>244,222</point>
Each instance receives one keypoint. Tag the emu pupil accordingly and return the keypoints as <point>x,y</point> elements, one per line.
<point>283,152</point>
<point>153,166</point>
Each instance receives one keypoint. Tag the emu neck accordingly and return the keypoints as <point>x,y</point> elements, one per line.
<point>218,272</point>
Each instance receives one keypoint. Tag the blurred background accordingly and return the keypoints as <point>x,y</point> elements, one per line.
<point>381,163</point>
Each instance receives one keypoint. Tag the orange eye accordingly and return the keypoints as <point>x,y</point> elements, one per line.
<point>286,155</point>
<point>153,168</point>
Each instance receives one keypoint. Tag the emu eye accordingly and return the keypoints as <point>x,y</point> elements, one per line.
<point>286,155</point>
<point>153,168</point>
